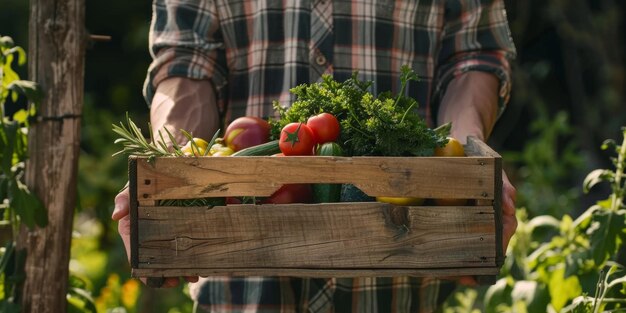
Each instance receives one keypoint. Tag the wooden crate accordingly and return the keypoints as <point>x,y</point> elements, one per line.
<point>318,240</point>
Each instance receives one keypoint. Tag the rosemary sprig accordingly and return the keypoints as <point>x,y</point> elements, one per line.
<point>134,143</point>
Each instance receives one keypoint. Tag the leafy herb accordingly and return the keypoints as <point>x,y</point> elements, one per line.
<point>381,125</point>
<point>134,143</point>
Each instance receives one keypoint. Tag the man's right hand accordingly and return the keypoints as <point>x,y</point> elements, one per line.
<point>120,214</point>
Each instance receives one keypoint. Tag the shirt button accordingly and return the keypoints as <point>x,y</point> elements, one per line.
<point>320,60</point>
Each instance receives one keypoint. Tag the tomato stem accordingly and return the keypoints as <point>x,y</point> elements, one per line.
<point>293,137</point>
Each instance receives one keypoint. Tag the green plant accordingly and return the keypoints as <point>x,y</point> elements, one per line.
<point>563,265</point>
<point>558,274</point>
<point>19,205</point>
<point>546,165</point>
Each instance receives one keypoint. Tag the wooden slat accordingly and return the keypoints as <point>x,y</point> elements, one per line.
<point>331,236</point>
<point>425,177</point>
<point>319,273</point>
<point>476,147</point>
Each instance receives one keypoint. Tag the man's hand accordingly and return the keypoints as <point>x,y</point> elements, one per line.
<point>509,221</point>
<point>120,214</point>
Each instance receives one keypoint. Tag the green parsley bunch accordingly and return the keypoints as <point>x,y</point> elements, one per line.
<point>371,125</point>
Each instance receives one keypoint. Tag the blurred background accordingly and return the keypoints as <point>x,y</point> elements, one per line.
<point>568,97</point>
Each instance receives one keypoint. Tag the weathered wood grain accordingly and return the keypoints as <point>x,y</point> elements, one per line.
<point>56,51</point>
<point>476,147</point>
<point>332,236</point>
<point>320,273</point>
<point>427,177</point>
<point>319,240</point>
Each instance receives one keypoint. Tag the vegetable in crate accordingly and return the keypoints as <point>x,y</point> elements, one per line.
<point>297,139</point>
<point>453,148</point>
<point>381,125</point>
<point>245,132</point>
<point>327,193</point>
<point>325,126</point>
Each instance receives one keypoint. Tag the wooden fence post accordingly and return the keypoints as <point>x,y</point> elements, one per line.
<point>56,49</point>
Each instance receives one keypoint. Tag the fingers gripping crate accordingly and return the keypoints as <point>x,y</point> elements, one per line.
<point>318,240</point>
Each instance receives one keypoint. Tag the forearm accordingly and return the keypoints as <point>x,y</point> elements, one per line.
<point>470,103</point>
<point>188,104</point>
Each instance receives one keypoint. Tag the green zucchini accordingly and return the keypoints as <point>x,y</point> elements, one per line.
<point>268,148</point>
<point>327,193</point>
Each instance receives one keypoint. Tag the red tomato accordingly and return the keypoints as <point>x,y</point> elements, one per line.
<point>291,193</point>
<point>246,132</point>
<point>233,200</point>
<point>325,126</point>
<point>296,139</point>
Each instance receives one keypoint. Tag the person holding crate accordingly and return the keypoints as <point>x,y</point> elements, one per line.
<point>216,60</point>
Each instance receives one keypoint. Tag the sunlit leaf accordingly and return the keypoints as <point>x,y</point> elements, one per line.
<point>595,177</point>
<point>566,224</point>
<point>532,293</point>
<point>562,289</point>
<point>582,222</point>
<point>9,136</point>
<point>578,305</point>
<point>543,221</point>
<point>82,299</point>
<point>6,42</point>
<point>608,144</point>
<point>618,281</point>
<point>27,88</point>
<point>21,116</point>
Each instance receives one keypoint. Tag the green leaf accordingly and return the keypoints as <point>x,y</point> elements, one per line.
<point>605,231</point>
<point>8,139</point>
<point>21,116</point>
<point>6,42</point>
<point>9,307</point>
<point>584,219</point>
<point>595,177</point>
<point>26,205</point>
<point>566,224</point>
<point>562,289</point>
<point>608,144</point>
<point>578,305</point>
<point>543,221</point>
<point>498,293</point>
<point>7,256</point>
<point>27,88</point>
<point>81,299</point>
<point>532,293</point>
<point>617,281</point>
<point>577,261</point>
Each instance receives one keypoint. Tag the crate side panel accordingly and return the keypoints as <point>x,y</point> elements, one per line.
<point>347,235</point>
<point>426,177</point>
<point>320,273</point>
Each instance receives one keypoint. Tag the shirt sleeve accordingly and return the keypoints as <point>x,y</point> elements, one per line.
<point>476,37</point>
<point>185,41</point>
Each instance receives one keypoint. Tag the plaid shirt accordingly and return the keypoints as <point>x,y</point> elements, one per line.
<point>255,51</point>
<point>315,295</point>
